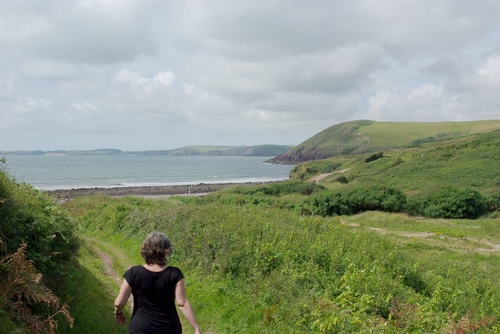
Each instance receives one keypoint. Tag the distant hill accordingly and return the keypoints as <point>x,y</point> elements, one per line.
<point>365,136</point>
<point>470,161</point>
<point>246,151</point>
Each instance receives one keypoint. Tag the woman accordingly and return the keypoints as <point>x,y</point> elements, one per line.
<point>155,287</point>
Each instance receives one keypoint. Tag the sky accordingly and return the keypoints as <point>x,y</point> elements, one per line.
<point>154,74</point>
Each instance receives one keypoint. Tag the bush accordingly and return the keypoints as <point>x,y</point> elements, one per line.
<point>341,179</point>
<point>357,200</point>
<point>281,188</point>
<point>493,203</point>
<point>374,157</point>
<point>453,202</point>
<point>37,246</point>
<point>33,217</point>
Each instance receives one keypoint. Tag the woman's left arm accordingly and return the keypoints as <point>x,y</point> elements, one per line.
<point>185,305</point>
<point>121,300</point>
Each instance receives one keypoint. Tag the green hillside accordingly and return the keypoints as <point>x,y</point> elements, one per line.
<point>364,136</point>
<point>471,161</point>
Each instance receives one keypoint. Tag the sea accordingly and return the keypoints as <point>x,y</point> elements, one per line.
<point>53,172</point>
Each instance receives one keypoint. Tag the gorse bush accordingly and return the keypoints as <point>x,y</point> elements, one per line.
<point>355,200</point>
<point>453,202</point>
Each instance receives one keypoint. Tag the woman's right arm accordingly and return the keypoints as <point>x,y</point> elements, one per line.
<point>120,302</point>
<point>185,305</point>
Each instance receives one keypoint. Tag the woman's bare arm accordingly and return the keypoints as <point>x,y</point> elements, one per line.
<point>185,305</point>
<point>121,300</point>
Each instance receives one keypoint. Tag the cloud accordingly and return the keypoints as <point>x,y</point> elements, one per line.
<point>96,32</point>
<point>241,73</point>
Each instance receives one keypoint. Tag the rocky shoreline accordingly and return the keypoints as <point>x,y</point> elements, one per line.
<point>148,191</point>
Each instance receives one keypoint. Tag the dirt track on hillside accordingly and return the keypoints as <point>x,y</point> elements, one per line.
<point>318,178</point>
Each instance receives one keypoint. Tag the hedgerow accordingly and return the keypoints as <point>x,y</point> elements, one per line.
<point>36,249</point>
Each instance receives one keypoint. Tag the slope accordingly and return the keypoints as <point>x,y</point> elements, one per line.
<point>365,136</point>
<point>471,161</point>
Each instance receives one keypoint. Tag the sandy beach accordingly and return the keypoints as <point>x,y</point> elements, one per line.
<point>149,191</point>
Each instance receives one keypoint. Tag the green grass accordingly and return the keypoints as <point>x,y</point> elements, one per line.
<point>362,136</point>
<point>92,295</point>
<point>252,267</point>
<point>398,134</point>
<point>464,162</point>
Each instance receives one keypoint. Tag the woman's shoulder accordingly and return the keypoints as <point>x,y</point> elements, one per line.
<point>176,272</point>
<point>174,269</point>
<point>134,269</point>
<point>138,267</point>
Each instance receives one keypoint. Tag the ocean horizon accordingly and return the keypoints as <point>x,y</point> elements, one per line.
<point>54,172</point>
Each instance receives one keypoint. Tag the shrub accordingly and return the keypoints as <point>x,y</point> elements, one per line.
<point>357,200</point>
<point>30,216</point>
<point>37,246</point>
<point>341,179</point>
<point>453,202</point>
<point>281,188</point>
<point>493,203</point>
<point>374,157</point>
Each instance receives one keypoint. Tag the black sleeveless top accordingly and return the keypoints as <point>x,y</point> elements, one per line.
<point>154,300</point>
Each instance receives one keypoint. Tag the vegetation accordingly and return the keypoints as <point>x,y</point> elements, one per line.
<point>464,162</point>
<point>37,246</point>
<point>363,136</point>
<point>262,267</point>
<point>394,240</point>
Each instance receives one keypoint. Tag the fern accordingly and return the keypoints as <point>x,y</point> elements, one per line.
<point>22,291</point>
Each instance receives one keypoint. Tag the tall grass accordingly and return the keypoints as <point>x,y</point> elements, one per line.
<point>255,268</point>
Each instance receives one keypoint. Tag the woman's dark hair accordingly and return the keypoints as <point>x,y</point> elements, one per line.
<point>156,248</point>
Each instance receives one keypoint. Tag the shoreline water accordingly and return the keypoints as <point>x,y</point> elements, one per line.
<point>130,174</point>
<point>150,191</point>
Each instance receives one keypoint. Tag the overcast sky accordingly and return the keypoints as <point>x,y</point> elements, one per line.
<point>146,74</point>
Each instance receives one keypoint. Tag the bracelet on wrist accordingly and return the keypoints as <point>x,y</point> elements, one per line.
<point>117,314</point>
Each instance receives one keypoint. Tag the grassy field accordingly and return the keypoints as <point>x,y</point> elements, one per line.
<point>391,134</point>
<point>363,136</point>
<point>254,266</point>
<point>472,161</point>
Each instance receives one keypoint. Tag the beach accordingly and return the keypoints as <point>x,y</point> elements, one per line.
<point>149,191</point>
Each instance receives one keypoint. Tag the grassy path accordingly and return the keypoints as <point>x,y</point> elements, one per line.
<point>102,249</point>
<point>113,261</point>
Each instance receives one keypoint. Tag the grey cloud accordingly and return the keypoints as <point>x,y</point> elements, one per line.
<point>226,71</point>
<point>73,31</point>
